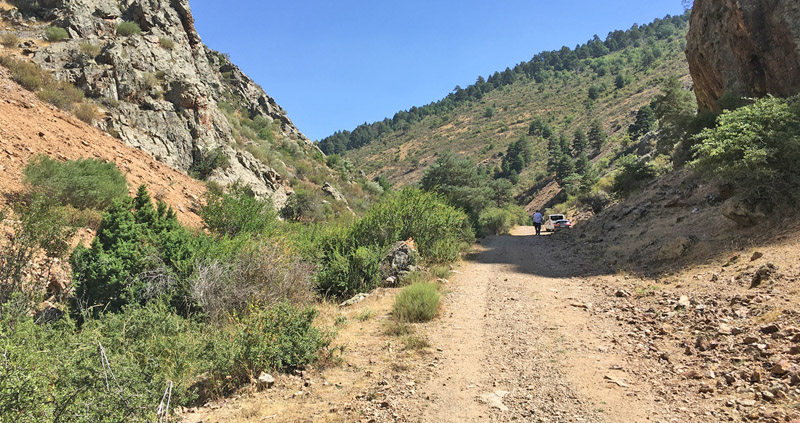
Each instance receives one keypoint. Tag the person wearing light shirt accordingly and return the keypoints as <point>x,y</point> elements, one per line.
<point>537,222</point>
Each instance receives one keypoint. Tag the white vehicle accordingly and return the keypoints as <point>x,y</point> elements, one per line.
<point>554,222</point>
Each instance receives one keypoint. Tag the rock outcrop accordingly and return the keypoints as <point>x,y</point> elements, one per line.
<point>401,260</point>
<point>747,48</point>
<point>162,89</point>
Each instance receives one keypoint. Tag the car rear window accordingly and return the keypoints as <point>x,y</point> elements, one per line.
<point>557,217</point>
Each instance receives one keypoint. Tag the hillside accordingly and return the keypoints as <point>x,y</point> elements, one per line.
<point>149,81</point>
<point>554,86</point>
<point>29,127</point>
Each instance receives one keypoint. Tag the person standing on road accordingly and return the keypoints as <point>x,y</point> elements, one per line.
<point>537,222</point>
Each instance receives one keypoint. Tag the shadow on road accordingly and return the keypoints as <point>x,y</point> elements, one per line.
<point>548,255</point>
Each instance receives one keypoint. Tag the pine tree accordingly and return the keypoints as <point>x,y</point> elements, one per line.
<point>645,122</point>
<point>597,136</point>
<point>578,142</point>
<point>540,128</point>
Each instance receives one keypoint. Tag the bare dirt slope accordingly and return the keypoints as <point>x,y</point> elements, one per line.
<point>29,127</point>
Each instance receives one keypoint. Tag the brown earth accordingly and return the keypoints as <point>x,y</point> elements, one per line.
<point>531,331</point>
<point>29,127</point>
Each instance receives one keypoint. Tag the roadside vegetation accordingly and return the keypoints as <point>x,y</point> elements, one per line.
<point>156,310</point>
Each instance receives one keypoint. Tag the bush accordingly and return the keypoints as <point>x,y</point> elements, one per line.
<point>349,256</point>
<point>140,253</point>
<point>206,161</point>
<point>40,229</point>
<point>25,73</point>
<point>9,39</point>
<point>302,205</point>
<point>83,184</point>
<point>238,212</point>
<point>436,227</point>
<point>281,338</point>
<point>61,370</point>
<point>167,43</point>
<point>86,112</point>
<point>61,94</point>
<point>417,303</point>
<point>128,28</point>
<point>755,148</point>
<point>632,171</point>
<point>265,274</point>
<point>597,200</point>
<point>500,221</point>
<point>345,273</point>
<point>89,49</point>
<point>55,33</point>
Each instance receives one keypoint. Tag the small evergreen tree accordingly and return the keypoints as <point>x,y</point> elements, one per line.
<point>645,122</point>
<point>540,128</point>
<point>597,136</point>
<point>578,142</point>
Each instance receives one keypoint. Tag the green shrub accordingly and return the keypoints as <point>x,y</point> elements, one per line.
<point>302,205</point>
<point>441,272</point>
<point>61,94</point>
<point>436,227</point>
<point>89,49</point>
<point>347,273</point>
<point>83,183</point>
<point>128,28</point>
<point>632,171</point>
<point>58,369</point>
<point>417,303</point>
<point>140,253</point>
<point>755,148</point>
<point>40,229</point>
<point>9,39</point>
<point>281,338</point>
<point>206,161</point>
<point>25,73</point>
<point>349,256</point>
<point>86,112</point>
<point>166,42</point>
<point>500,221</point>
<point>55,33</point>
<point>238,212</point>
<point>597,200</point>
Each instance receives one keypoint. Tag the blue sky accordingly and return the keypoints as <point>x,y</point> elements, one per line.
<point>336,64</point>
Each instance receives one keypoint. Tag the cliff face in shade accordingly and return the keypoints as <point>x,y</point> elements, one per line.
<point>162,90</point>
<point>748,48</point>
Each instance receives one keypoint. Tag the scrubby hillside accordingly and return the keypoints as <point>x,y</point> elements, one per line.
<point>150,81</point>
<point>607,81</point>
<point>29,127</point>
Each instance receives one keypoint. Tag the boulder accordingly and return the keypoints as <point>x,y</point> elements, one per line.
<point>401,259</point>
<point>745,212</point>
<point>329,189</point>
<point>748,48</point>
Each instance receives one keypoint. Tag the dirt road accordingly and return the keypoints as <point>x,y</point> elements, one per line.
<point>533,330</point>
<point>518,345</point>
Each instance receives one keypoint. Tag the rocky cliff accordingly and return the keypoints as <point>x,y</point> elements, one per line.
<point>746,48</point>
<point>163,90</point>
